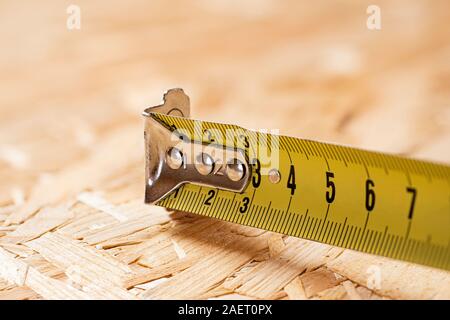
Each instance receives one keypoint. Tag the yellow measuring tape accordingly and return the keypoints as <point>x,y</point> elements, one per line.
<point>367,201</point>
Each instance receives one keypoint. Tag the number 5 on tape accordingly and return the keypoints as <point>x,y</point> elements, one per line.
<point>368,201</point>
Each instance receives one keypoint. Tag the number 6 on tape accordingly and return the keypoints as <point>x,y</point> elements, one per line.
<point>368,201</point>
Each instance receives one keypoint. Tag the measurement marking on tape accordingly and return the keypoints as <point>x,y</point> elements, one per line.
<point>367,201</point>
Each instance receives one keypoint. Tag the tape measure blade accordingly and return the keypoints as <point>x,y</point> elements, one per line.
<point>367,201</point>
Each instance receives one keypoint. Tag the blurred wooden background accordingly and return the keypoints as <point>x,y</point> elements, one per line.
<point>73,223</point>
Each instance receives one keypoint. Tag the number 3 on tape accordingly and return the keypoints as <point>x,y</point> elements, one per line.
<point>368,201</point>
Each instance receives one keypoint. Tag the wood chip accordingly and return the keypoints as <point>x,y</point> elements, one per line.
<point>351,290</point>
<point>19,273</point>
<point>120,229</point>
<point>94,200</point>
<point>46,220</point>
<point>335,293</point>
<point>18,250</point>
<point>318,280</point>
<point>19,293</point>
<point>83,265</point>
<point>295,290</point>
<point>272,275</point>
<point>158,272</point>
<point>398,279</point>
<point>235,251</point>
<point>276,245</point>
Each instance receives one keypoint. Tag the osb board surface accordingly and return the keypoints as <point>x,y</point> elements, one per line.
<point>73,222</point>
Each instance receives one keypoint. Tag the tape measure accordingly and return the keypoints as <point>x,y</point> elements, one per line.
<point>367,201</point>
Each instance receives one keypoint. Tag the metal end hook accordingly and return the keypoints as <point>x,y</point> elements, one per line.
<point>171,161</point>
<point>175,103</point>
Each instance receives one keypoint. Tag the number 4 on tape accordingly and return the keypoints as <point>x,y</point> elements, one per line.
<point>368,201</point>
